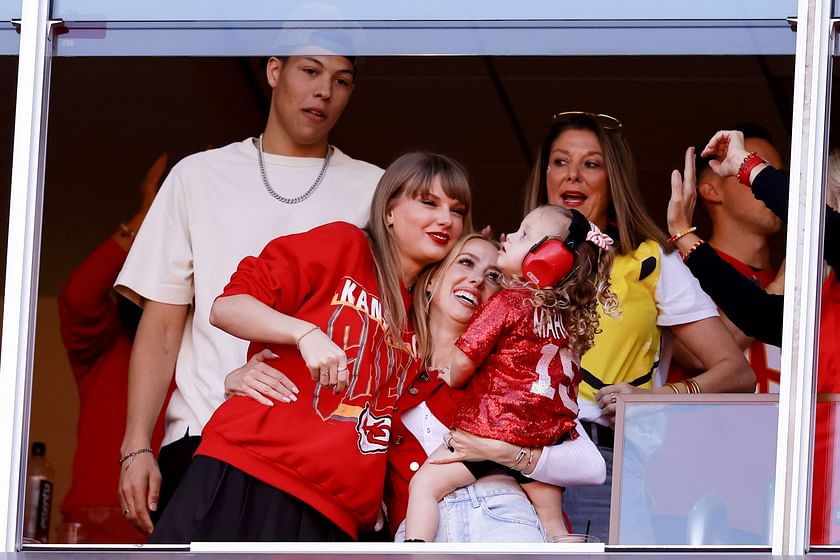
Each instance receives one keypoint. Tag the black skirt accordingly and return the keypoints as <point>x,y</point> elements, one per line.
<point>218,502</point>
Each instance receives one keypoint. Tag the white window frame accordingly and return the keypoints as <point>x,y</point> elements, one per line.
<point>814,44</point>
<point>22,257</point>
<point>803,279</point>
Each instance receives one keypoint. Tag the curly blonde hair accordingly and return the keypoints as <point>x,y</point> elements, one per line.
<point>577,296</point>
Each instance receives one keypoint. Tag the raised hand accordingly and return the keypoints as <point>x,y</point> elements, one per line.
<point>728,148</point>
<point>148,189</point>
<point>683,196</point>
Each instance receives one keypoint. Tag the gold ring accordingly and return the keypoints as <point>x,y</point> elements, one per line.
<point>613,397</point>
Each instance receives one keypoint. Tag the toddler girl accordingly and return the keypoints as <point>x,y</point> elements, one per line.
<point>526,342</point>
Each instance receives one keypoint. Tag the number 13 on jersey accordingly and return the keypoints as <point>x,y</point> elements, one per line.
<point>542,386</point>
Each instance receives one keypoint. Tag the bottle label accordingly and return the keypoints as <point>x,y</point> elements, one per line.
<point>42,528</point>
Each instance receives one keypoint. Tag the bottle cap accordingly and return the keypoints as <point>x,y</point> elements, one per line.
<point>39,448</point>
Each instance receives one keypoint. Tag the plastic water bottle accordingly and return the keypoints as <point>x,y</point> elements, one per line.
<point>39,492</point>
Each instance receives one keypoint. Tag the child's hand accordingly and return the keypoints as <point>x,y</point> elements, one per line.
<point>443,374</point>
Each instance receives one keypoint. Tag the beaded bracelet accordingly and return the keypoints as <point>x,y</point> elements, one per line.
<point>677,236</point>
<point>691,250</point>
<point>750,161</point>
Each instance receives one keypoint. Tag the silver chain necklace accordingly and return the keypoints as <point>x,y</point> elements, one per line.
<point>308,192</point>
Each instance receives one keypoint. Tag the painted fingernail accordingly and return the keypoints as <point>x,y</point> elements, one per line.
<point>293,397</point>
<point>295,389</point>
<point>274,356</point>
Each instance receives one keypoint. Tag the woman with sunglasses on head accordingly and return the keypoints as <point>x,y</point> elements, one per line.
<point>332,305</point>
<point>584,162</point>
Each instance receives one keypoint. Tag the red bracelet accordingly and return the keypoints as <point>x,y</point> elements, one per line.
<point>691,250</point>
<point>677,236</point>
<point>747,166</point>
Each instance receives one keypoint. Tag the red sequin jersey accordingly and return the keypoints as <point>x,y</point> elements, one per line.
<point>525,387</point>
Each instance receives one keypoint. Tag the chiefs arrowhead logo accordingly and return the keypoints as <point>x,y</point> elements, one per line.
<point>374,431</point>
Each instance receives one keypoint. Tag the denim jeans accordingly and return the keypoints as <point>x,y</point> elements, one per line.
<point>494,509</point>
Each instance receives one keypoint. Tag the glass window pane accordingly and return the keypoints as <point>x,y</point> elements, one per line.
<point>9,37</point>
<point>9,10</point>
<point>110,117</point>
<point>695,473</point>
<point>8,94</point>
<point>198,10</point>
<point>532,37</point>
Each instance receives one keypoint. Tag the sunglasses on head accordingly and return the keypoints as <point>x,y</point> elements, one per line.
<point>607,122</point>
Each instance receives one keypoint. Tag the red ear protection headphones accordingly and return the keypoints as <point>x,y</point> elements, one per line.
<point>551,259</point>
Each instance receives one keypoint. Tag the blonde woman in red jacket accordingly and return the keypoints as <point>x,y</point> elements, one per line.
<point>494,509</point>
